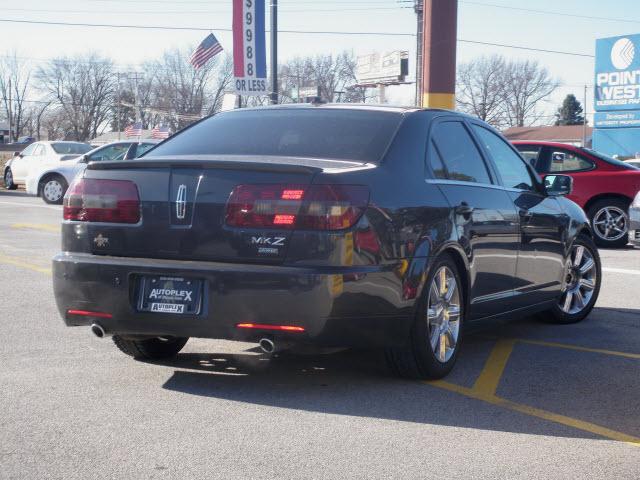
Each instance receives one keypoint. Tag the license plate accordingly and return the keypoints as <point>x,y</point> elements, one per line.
<point>176,295</point>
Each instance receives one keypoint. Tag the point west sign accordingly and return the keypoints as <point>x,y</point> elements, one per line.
<point>618,73</point>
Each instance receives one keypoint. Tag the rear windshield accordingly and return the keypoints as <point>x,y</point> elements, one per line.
<point>314,133</point>
<point>70,148</point>
<point>608,159</point>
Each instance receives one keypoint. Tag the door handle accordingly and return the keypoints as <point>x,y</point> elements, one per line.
<point>464,209</point>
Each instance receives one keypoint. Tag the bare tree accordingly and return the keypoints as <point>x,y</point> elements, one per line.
<point>481,89</point>
<point>526,86</point>
<point>82,87</point>
<point>332,76</point>
<point>15,79</point>
<point>180,90</point>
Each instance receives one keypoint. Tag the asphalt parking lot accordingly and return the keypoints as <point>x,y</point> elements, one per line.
<point>526,399</point>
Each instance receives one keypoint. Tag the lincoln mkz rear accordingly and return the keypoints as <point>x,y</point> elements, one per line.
<point>331,226</point>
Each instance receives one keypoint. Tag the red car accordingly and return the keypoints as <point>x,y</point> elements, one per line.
<point>603,186</point>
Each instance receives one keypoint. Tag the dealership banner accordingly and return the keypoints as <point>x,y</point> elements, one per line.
<point>249,52</point>
<point>618,73</point>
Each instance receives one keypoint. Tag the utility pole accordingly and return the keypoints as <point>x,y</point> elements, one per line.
<point>10,115</point>
<point>440,23</point>
<point>274,52</point>
<point>584,120</point>
<point>418,8</point>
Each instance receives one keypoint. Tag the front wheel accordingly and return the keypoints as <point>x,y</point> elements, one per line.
<point>436,334</point>
<point>151,348</point>
<point>8,180</point>
<point>581,284</point>
<point>53,189</point>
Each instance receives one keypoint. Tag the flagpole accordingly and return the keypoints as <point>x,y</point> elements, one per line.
<point>274,52</point>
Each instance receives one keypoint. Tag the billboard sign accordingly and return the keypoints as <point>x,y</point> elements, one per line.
<point>618,73</point>
<point>249,51</point>
<point>382,68</point>
<point>616,119</point>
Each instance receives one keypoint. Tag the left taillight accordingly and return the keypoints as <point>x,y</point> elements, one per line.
<point>97,200</point>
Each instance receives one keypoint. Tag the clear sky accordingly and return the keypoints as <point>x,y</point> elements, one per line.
<point>479,20</point>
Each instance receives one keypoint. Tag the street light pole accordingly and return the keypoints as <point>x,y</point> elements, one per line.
<point>274,52</point>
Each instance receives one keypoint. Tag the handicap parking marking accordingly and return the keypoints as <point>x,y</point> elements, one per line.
<point>625,271</point>
<point>485,387</point>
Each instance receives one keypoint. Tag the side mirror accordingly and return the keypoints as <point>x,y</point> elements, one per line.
<point>83,159</point>
<point>17,154</point>
<point>556,185</point>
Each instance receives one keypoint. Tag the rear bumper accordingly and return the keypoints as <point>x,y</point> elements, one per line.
<point>634,226</point>
<point>337,306</point>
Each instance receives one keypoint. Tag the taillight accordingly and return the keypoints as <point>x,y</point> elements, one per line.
<point>285,207</point>
<point>96,200</point>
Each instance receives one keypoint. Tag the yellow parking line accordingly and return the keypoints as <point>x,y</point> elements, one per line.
<point>635,356</point>
<point>38,226</point>
<point>539,413</point>
<point>16,262</point>
<point>485,387</point>
<point>487,382</point>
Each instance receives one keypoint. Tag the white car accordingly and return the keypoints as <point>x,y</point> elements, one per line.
<point>51,181</point>
<point>37,156</point>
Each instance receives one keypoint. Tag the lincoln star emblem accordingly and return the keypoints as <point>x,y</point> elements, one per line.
<point>101,241</point>
<point>181,202</point>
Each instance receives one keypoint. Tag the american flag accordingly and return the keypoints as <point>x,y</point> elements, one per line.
<point>160,132</point>
<point>208,48</point>
<point>133,130</point>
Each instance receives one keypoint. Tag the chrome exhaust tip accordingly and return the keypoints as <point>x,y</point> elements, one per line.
<point>98,331</point>
<point>267,345</point>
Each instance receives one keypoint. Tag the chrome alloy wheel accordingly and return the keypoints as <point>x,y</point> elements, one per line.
<point>610,223</point>
<point>52,190</point>
<point>443,314</point>
<point>580,281</point>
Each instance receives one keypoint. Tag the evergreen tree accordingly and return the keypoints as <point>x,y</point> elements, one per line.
<point>570,113</point>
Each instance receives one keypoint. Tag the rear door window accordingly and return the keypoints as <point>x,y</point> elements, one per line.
<point>459,154</point>
<point>510,166</point>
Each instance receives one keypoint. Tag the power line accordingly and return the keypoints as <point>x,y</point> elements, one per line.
<point>302,32</point>
<point>549,12</point>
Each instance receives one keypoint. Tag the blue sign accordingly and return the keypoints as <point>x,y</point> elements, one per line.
<point>616,119</point>
<point>617,79</point>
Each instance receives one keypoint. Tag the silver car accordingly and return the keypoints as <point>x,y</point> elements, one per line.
<point>51,181</point>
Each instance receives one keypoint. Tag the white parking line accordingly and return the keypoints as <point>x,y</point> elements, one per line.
<point>621,270</point>
<point>21,204</point>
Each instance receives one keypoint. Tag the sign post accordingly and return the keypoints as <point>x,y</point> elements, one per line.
<point>249,52</point>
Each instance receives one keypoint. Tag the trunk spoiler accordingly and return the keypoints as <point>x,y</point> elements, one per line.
<point>234,162</point>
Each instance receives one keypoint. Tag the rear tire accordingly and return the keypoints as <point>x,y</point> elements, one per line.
<point>53,188</point>
<point>8,180</point>
<point>583,287</point>
<point>609,220</point>
<point>151,348</point>
<point>436,335</point>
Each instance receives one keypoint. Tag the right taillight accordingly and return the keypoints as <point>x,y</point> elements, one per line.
<point>288,207</point>
<point>97,200</point>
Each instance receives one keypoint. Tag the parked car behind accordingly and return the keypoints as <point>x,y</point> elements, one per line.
<point>51,181</point>
<point>328,225</point>
<point>39,155</point>
<point>603,186</point>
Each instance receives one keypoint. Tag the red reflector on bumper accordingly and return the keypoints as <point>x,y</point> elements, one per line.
<point>262,326</point>
<point>87,313</point>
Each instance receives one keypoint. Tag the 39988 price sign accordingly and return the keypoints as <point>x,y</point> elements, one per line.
<point>249,53</point>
